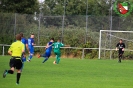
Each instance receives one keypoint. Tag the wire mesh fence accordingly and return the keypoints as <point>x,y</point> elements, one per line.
<point>77,31</point>
<point>52,26</point>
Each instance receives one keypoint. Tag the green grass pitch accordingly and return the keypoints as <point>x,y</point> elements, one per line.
<point>70,73</point>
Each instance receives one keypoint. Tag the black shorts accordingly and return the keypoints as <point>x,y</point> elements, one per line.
<point>121,52</point>
<point>16,63</point>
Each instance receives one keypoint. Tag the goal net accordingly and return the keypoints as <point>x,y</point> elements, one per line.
<point>108,40</point>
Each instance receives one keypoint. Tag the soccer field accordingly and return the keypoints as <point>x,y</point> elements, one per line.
<point>70,73</point>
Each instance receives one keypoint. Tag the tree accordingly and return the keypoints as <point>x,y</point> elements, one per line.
<point>76,7</point>
<point>19,6</point>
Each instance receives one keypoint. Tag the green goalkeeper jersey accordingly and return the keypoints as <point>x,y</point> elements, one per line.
<point>57,46</point>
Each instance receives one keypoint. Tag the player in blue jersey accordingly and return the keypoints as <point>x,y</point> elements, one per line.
<point>31,45</point>
<point>48,50</point>
<point>23,57</point>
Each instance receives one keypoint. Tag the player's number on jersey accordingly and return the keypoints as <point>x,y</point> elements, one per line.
<point>29,42</point>
<point>56,46</point>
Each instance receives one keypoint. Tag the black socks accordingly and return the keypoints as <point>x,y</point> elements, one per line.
<point>18,77</point>
<point>10,71</point>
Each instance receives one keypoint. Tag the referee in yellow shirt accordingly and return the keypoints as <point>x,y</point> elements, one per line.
<point>16,49</point>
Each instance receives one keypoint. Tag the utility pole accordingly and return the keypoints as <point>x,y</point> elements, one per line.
<point>111,8</point>
<point>86,22</point>
<point>63,21</point>
<point>39,21</point>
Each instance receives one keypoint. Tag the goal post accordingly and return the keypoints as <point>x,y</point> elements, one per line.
<point>108,40</point>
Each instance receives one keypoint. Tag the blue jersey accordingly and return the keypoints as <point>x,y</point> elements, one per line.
<point>30,41</point>
<point>49,49</point>
<point>30,46</point>
<point>24,41</point>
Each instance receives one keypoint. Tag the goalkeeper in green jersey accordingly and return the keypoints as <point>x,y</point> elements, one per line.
<point>57,45</point>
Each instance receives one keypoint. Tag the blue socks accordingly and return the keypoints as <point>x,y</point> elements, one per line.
<point>30,57</point>
<point>46,58</point>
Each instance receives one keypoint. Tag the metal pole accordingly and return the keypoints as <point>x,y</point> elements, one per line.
<point>63,21</point>
<point>110,28</point>
<point>100,45</point>
<point>86,21</point>
<point>83,53</point>
<point>3,50</point>
<point>39,29</point>
<point>15,25</point>
<point>40,14</point>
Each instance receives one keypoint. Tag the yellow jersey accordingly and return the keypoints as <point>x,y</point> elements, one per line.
<point>16,48</point>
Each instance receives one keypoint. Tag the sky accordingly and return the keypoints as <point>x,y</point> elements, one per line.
<point>41,0</point>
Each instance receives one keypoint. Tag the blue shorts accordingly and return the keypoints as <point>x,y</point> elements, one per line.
<point>31,50</point>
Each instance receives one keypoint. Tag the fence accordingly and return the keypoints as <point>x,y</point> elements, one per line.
<point>77,31</point>
<point>48,26</point>
<point>81,56</point>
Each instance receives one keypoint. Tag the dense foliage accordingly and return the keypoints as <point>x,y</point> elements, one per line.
<point>19,6</point>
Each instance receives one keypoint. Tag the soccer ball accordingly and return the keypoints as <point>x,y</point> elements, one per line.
<point>54,62</point>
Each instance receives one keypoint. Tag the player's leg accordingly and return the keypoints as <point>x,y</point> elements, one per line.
<point>40,55</point>
<point>22,66</point>
<point>23,58</point>
<point>11,71</point>
<point>120,56</point>
<point>55,57</point>
<point>18,67</point>
<point>31,54</point>
<point>58,57</point>
<point>12,65</point>
<point>46,56</point>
